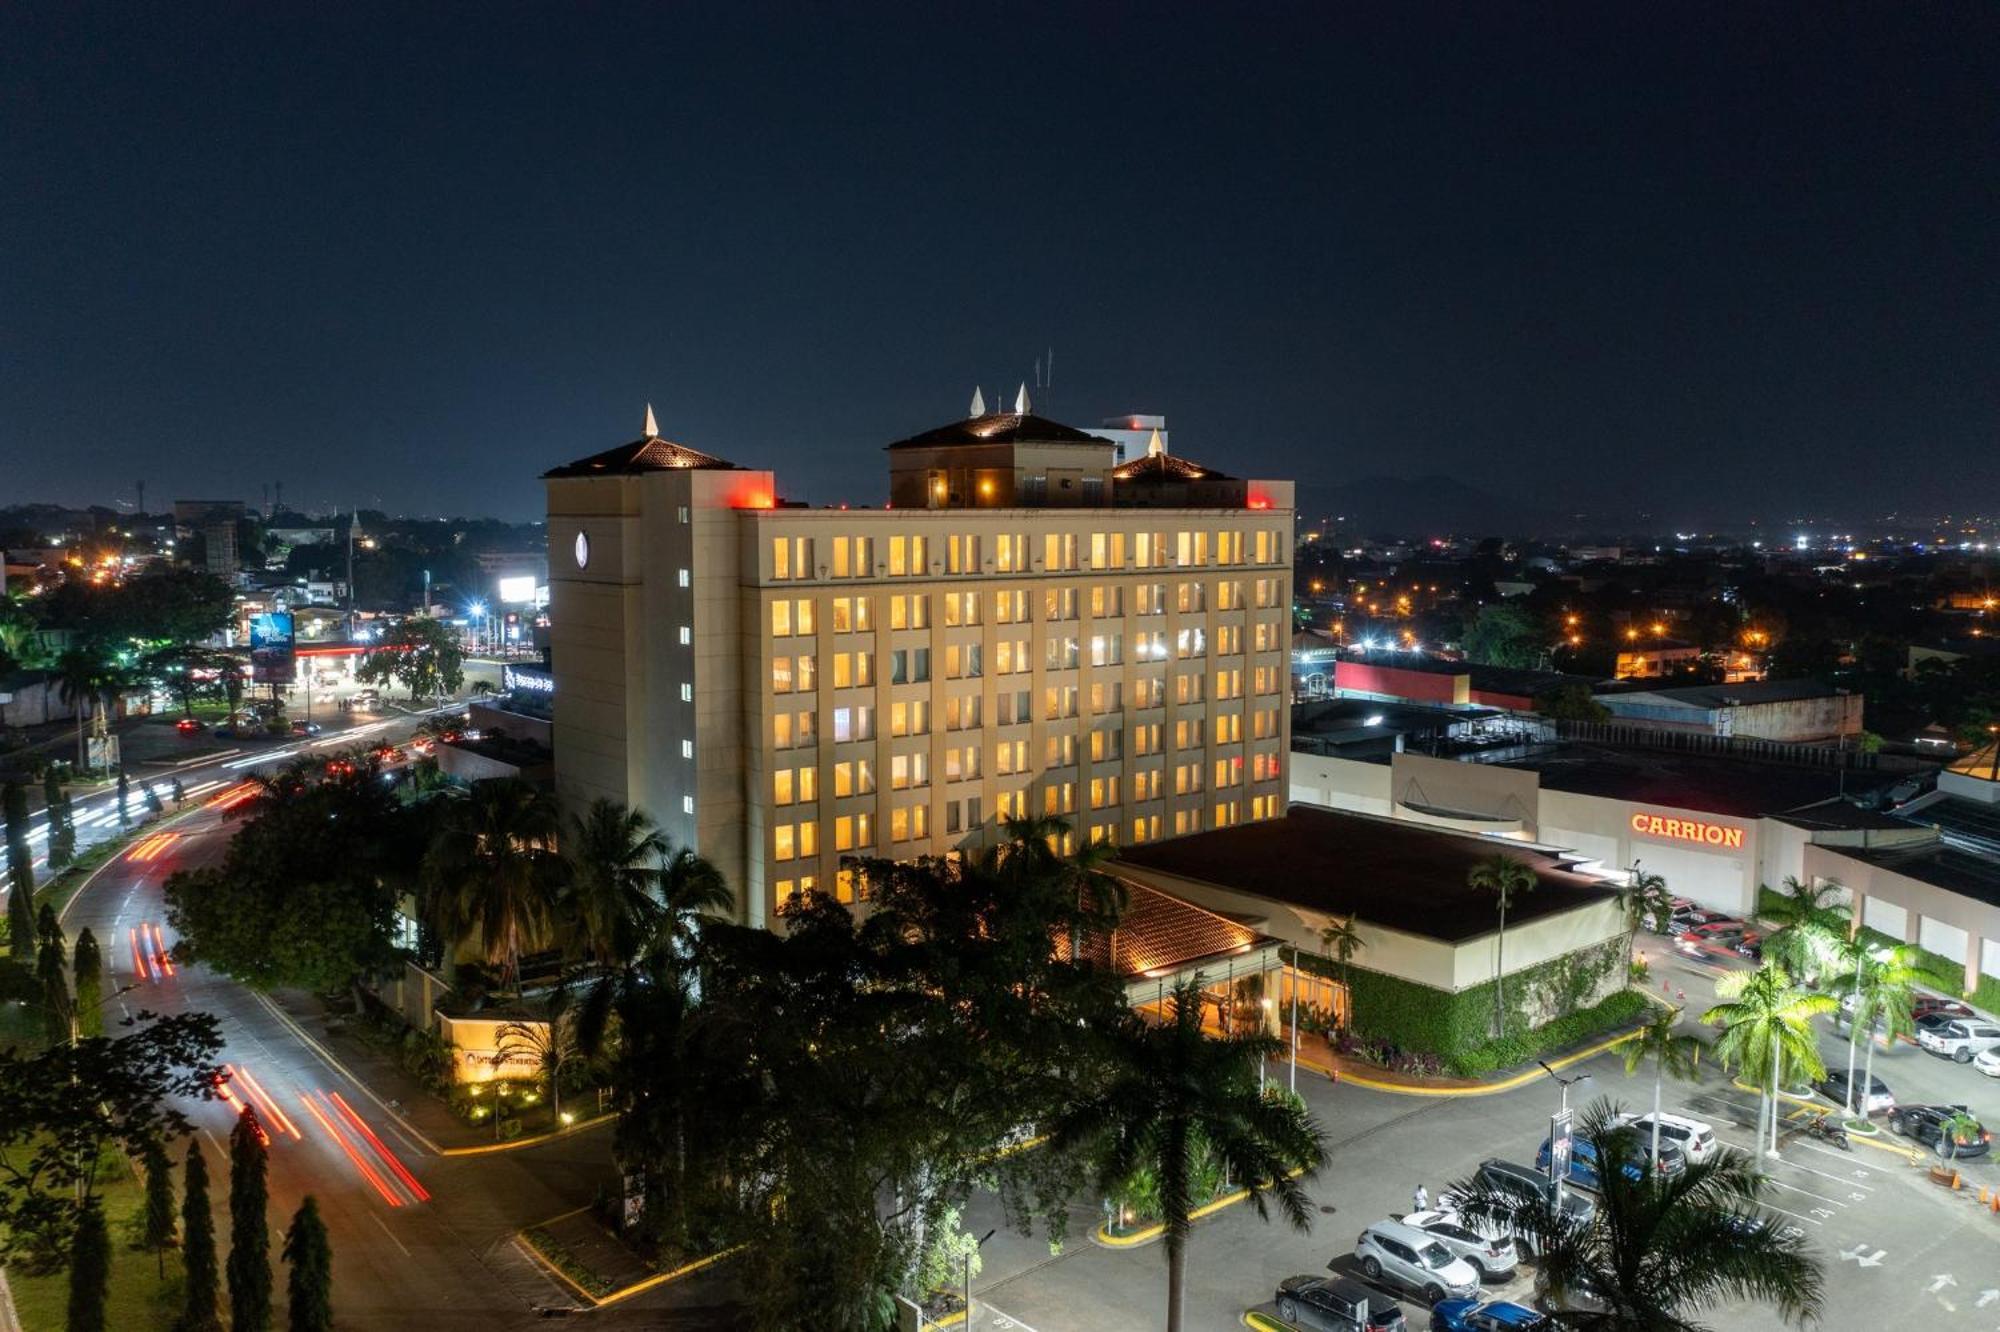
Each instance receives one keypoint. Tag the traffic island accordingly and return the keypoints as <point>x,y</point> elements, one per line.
<point>599,1267</point>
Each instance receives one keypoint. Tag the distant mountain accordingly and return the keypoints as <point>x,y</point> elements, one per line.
<point>1424,506</point>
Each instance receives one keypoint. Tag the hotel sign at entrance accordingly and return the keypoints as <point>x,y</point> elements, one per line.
<point>1687,830</point>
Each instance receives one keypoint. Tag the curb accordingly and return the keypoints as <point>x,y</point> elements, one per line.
<point>9,1322</point>
<point>1264,1322</point>
<point>334,1063</point>
<point>1104,1236</point>
<point>623,1292</point>
<point>488,1149</point>
<point>1484,1088</point>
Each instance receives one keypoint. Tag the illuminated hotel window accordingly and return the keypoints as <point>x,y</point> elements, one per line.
<point>687,749</point>
<point>911,612</point>
<point>961,608</point>
<point>1059,603</point>
<point>962,554</point>
<point>687,635</point>
<point>684,578</point>
<point>1107,745</point>
<point>687,693</point>
<point>1105,601</point>
<point>1228,640</point>
<point>687,804</point>
<point>850,615</point>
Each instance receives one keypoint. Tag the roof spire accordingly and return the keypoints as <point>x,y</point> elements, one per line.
<point>652,426</point>
<point>1154,448</point>
<point>978,403</point>
<point>1021,400</point>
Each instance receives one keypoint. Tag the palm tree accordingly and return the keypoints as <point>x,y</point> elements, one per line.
<point>1658,1249</point>
<point>608,903</point>
<point>1503,876</point>
<point>1172,1086</point>
<point>79,680</point>
<point>548,1043</point>
<point>1885,981</point>
<point>1645,899</point>
<point>1671,1052</point>
<point>493,871</point>
<point>1767,1023</point>
<point>1343,940</point>
<point>1031,854</point>
<point>1807,927</point>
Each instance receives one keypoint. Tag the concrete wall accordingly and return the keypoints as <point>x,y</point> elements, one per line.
<point>1925,911</point>
<point>1338,783</point>
<point>1468,796</point>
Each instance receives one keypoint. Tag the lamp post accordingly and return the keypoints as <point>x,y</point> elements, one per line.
<point>969,1254</point>
<point>1559,1133</point>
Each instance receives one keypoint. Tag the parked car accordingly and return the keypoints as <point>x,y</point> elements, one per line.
<point>1405,1256</point>
<point>1337,1304</point>
<point>1494,1257</point>
<point>1834,1088</point>
<point>1492,1316</point>
<point>1927,1004</point>
<point>1583,1170</point>
<point>1988,1063</point>
<point>1526,1183</point>
<point>1581,1297</point>
<point>1679,905</point>
<point>1695,1138</point>
<point>1949,1130</point>
<point>1959,1039</point>
<point>188,726</point>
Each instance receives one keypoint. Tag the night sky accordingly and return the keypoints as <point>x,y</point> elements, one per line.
<point>1707,262</point>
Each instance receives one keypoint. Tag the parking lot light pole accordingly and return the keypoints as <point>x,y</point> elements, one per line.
<point>1558,1153</point>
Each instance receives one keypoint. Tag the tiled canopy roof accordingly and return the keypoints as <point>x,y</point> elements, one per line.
<point>1158,935</point>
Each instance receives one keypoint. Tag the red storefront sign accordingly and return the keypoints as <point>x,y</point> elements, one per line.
<point>1687,830</point>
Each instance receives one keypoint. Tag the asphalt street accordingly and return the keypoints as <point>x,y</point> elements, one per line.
<point>418,1239</point>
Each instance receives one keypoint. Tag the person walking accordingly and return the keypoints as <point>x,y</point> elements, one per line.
<point>1420,1200</point>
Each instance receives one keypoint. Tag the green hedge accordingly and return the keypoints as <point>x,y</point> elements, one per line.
<point>1420,1017</point>
<point>1616,1011</point>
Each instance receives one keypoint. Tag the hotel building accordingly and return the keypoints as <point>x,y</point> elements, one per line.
<point>1029,627</point>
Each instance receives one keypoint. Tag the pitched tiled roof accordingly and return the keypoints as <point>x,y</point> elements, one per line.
<point>1000,428</point>
<point>1159,934</point>
<point>652,454</point>
<point>1166,467</point>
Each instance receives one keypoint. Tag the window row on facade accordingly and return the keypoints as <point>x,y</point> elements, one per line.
<point>795,558</point>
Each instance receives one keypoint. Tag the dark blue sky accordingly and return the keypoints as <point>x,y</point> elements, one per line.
<point>1705,261</point>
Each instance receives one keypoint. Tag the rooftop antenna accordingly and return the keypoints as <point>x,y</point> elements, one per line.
<point>1021,403</point>
<point>652,426</point>
<point>978,402</point>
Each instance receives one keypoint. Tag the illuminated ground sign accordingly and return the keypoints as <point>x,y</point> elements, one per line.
<point>1687,830</point>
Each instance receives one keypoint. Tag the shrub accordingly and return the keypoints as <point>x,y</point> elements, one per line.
<point>1619,1010</point>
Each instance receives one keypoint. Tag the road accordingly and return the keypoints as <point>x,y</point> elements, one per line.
<point>1893,1244</point>
<point>419,1240</point>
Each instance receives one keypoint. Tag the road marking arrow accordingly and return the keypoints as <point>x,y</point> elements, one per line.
<point>1861,1257</point>
<point>1987,1297</point>
<point>1939,1282</point>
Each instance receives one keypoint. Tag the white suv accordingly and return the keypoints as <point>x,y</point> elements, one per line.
<point>1695,1139</point>
<point>1960,1039</point>
<point>1407,1257</point>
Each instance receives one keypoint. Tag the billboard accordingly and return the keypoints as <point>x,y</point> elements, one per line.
<point>271,647</point>
<point>517,591</point>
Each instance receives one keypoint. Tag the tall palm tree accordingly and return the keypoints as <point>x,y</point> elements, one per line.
<point>1767,1025</point>
<point>1171,1086</point>
<point>1343,940</point>
<point>1658,1249</point>
<point>1031,855</point>
<point>690,889</point>
<point>1645,899</point>
<point>1807,926</point>
<point>79,680</point>
<point>1671,1052</point>
<point>1885,993</point>
<point>609,904</point>
<point>1503,876</point>
<point>493,870</point>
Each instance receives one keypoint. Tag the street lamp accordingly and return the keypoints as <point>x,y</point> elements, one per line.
<point>969,1255</point>
<point>1559,1133</point>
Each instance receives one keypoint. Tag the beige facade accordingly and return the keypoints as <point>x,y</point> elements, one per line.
<point>781,687</point>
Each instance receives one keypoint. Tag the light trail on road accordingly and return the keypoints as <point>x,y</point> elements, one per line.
<point>381,1149</point>
<point>139,958</point>
<point>264,1100</point>
<point>389,1195</point>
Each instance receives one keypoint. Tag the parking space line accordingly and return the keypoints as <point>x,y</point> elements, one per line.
<point>1773,1207</point>
<point>1780,1184</point>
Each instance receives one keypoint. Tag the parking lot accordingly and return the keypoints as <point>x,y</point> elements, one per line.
<point>1891,1241</point>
